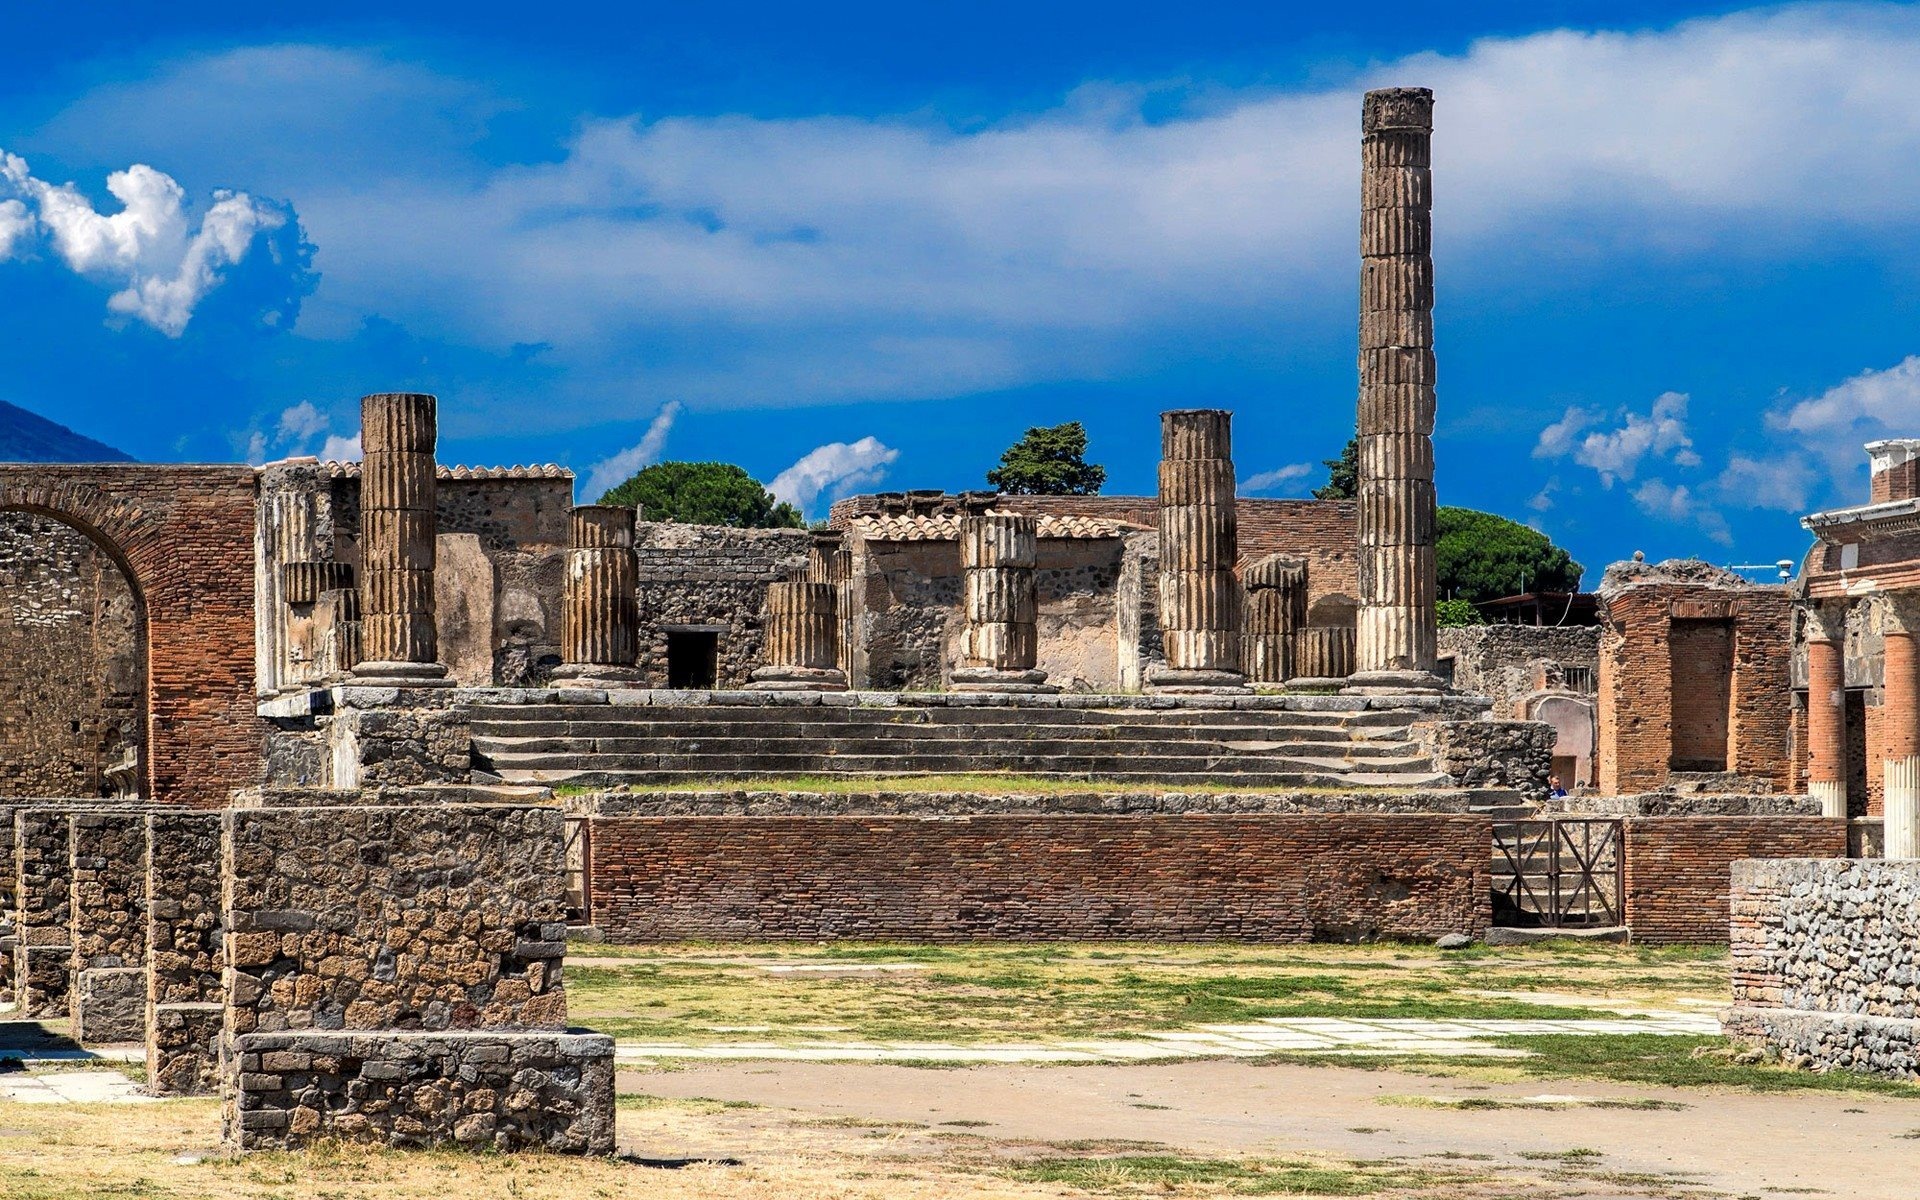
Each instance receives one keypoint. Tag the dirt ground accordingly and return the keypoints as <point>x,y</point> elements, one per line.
<point>1724,1142</point>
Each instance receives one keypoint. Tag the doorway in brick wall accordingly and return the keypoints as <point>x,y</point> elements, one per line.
<point>693,658</point>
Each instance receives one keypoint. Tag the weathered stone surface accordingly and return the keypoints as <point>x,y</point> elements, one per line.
<point>803,638</point>
<point>183,1048</point>
<point>602,607</point>
<point>472,1090</point>
<point>1497,754</point>
<point>397,544</point>
<point>1200,597</point>
<point>109,1005</point>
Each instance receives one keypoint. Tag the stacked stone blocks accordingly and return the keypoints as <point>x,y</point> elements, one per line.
<point>184,952</point>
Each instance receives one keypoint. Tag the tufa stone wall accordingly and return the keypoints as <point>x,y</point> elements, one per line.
<point>1678,868</point>
<point>184,941</point>
<point>108,1000</point>
<point>184,537</point>
<point>43,930</point>
<point>1826,968</point>
<point>714,579</point>
<point>1503,662</point>
<point>73,696</point>
<point>1496,754</point>
<point>1279,878</point>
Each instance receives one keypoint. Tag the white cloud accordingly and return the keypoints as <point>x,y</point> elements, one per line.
<point>611,472</point>
<point>163,264</point>
<point>294,433</point>
<point>301,422</point>
<point>341,449</point>
<point>1267,480</point>
<point>1542,500</point>
<point>1679,505</point>
<point>836,469</point>
<point>1785,483</point>
<point>1615,454</point>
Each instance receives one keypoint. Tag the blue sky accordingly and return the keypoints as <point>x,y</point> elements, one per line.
<point>860,246</point>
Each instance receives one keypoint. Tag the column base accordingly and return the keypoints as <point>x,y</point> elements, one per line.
<point>1393,683</point>
<point>1832,795</point>
<point>400,674</point>
<point>797,679</point>
<point>1900,806</point>
<point>1314,683</point>
<point>990,679</point>
<point>1196,681</point>
<point>594,675</point>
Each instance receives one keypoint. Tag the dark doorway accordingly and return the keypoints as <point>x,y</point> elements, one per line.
<point>692,659</point>
<point>1857,752</point>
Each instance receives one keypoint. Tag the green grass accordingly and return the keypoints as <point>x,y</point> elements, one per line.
<point>1160,1173</point>
<point>998,991</point>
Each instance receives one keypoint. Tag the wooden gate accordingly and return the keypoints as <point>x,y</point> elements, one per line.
<point>579,848</point>
<point>1558,874</point>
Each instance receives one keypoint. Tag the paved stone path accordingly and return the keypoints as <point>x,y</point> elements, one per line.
<point>71,1087</point>
<point>1319,1035</point>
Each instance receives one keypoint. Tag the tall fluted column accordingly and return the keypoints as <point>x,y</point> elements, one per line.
<point>802,639</point>
<point>1826,626</point>
<point>1397,621</point>
<point>1900,709</point>
<point>397,529</point>
<point>999,645</point>
<point>1199,541</point>
<point>600,624</point>
<point>1276,607</point>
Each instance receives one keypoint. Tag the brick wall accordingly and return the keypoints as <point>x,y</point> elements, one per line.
<point>1701,658</point>
<point>1679,868</point>
<point>1335,876</point>
<point>184,537</point>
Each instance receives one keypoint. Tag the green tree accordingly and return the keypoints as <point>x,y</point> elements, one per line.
<point>1049,461</point>
<point>704,493</point>
<point>1482,557</point>
<point>1451,614</point>
<point>1343,474</point>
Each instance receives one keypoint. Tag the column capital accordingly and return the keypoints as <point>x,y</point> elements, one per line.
<point>1902,612</point>
<point>1826,620</point>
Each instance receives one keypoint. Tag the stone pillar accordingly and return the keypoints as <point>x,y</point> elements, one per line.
<point>397,529</point>
<point>1397,621</point>
<point>1276,608</point>
<point>802,639</point>
<point>1900,709</point>
<point>1199,596</point>
<point>600,627</point>
<point>1826,626</point>
<point>999,644</point>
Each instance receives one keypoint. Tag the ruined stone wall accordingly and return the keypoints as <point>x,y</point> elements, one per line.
<point>1280,878</point>
<point>184,941</point>
<point>184,535</point>
<point>1496,754</point>
<point>1678,868</point>
<point>73,684</point>
<point>1826,970</point>
<point>43,928</point>
<point>710,577</point>
<point>1500,661</point>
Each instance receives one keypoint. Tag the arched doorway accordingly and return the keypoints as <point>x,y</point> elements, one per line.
<point>73,664</point>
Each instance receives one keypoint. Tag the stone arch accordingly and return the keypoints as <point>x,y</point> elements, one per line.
<point>183,537</point>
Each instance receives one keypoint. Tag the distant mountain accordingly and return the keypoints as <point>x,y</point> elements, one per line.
<point>29,437</point>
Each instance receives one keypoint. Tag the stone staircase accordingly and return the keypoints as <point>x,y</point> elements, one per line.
<point>608,745</point>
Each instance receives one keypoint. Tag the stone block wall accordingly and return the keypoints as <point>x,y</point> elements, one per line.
<point>1274,878</point>
<point>1826,965</point>
<point>184,941</point>
<point>711,577</point>
<point>393,918</point>
<point>1496,754</point>
<point>108,911</point>
<point>1678,869</point>
<point>1500,661</point>
<point>43,953</point>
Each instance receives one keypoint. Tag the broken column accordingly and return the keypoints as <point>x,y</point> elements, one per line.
<point>1900,712</point>
<point>802,639</point>
<point>601,625</point>
<point>1199,596</point>
<point>397,530</point>
<point>999,644</point>
<point>1276,608</point>
<point>1826,629</point>
<point>1397,621</point>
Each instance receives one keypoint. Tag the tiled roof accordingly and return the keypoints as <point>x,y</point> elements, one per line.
<point>946,528</point>
<point>351,470</point>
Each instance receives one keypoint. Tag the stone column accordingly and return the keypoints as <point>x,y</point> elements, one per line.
<point>1199,542</point>
<point>600,627</point>
<point>802,643</point>
<point>1397,621</point>
<point>1826,626</point>
<point>1276,607</point>
<point>1900,709</point>
<point>397,529</point>
<point>999,644</point>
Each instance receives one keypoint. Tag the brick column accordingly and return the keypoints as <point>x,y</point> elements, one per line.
<point>1000,643</point>
<point>1900,709</point>
<point>802,643</point>
<point>1199,542</point>
<point>1826,629</point>
<point>1398,627</point>
<point>397,528</point>
<point>600,627</point>
<point>1276,608</point>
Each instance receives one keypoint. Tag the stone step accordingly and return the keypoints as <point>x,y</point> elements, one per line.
<point>910,715</point>
<point>1208,767</point>
<point>1250,780</point>
<point>1026,746</point>
<point>1036,731</point>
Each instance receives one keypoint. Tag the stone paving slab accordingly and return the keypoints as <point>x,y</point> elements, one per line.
<point>71,1087</point>
<point>1321,1035</point>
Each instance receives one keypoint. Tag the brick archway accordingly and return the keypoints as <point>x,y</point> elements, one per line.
<point>183,535</point>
